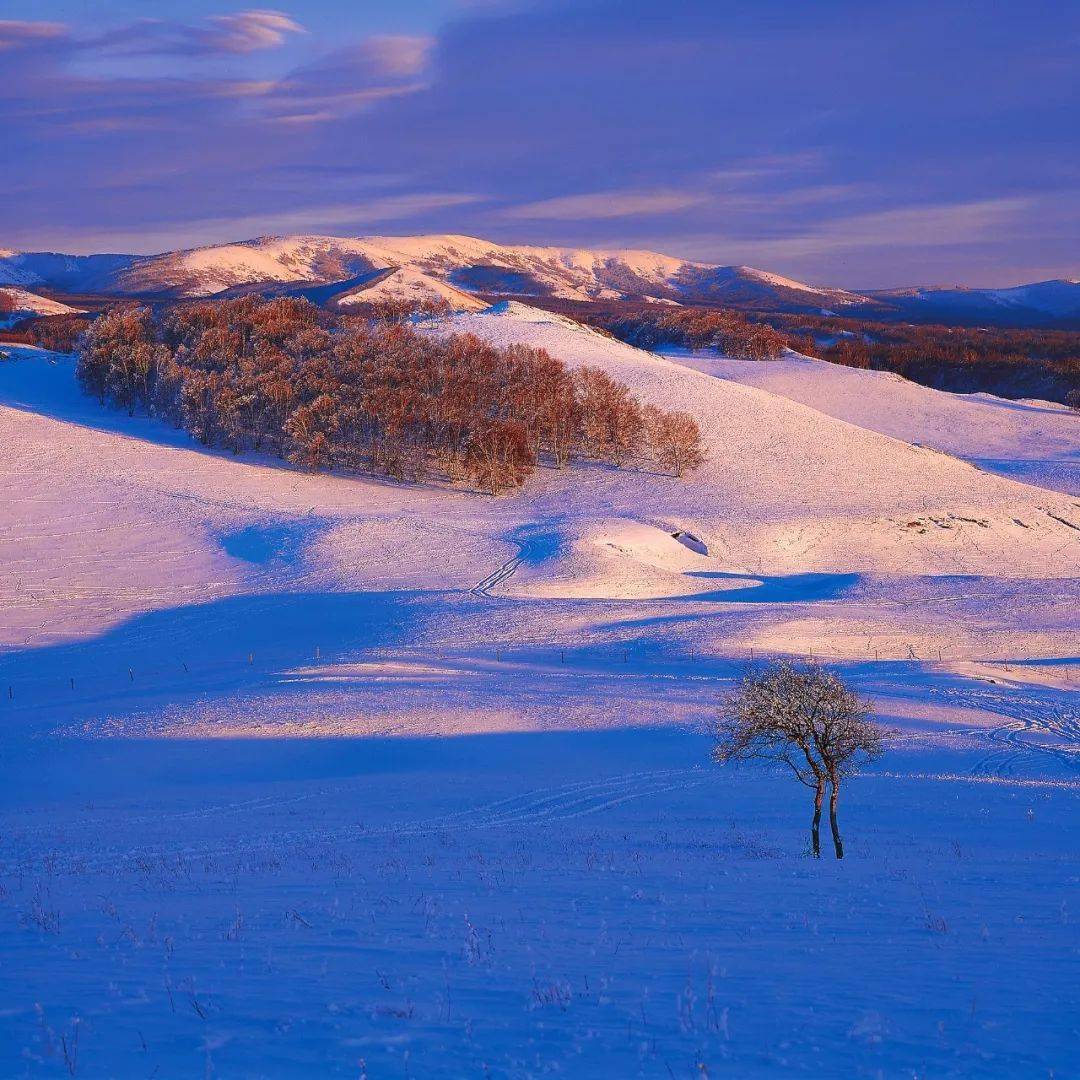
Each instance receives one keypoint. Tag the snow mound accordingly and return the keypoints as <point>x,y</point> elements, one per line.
<point>620,558</point>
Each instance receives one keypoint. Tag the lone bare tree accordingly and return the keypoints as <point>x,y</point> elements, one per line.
<point>805,717</point>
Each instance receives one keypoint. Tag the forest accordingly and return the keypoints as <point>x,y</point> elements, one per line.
<point>695,328</point>
<point>330,391</point>
<point>1007,362</point>
<point>1011,363</point>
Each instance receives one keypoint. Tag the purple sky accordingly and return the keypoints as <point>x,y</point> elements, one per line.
<point>858,144</point>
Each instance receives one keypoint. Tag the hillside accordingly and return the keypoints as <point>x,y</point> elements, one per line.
<point>1034,441</point>
<point>1043,302</point>
<point>471,265</point>
<point>464,263</point>
<point>786,487</point>
<point>407,768</point>
<point>24,303</point>
<point>409,286</point>
<point>67,273</point>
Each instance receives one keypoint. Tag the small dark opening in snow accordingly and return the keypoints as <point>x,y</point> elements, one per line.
<point>694,543</point>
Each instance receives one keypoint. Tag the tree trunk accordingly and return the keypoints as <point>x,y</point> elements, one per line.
<point>833,799</point>
<point>815,833</point>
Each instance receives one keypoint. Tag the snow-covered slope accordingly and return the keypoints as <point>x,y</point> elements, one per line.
<point>235,837</point>
<point>30,303</point>
<point>787,490</point>
<point>413,286</point>
<point>784,483</point>
<point>1034,441</point>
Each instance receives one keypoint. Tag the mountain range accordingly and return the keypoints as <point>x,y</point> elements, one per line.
<point>457,268</point>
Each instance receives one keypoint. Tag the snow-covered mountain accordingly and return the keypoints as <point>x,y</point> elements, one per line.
<point>1042,301</point>
<point>427,264</point>
<point>69,273</point>
<point>452,267</point>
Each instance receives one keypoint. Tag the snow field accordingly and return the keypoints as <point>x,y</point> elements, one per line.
<point>324,775</point>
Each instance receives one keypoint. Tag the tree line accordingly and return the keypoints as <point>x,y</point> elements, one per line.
<point>1008,362</point>
<point>332,391</point>
<point>58,333</point>
<point>697,328</point>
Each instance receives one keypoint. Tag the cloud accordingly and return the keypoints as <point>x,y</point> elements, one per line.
<point>834,141</point>
<point>603,205</point>
<point>922,226</point>
<point>910,237</point>
<point>220,35</point>
<point>395,55</point>
<point>154,234</point>
<point>350,79</point>
<point>247,31</point>
<point>15,34</point>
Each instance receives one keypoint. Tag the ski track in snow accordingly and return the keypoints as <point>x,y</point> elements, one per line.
<point>1019,740</point>
<point>538,807</point>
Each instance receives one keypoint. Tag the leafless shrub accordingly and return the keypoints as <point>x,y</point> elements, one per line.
<point>556,994</point>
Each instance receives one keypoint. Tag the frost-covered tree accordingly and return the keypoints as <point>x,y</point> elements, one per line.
<point>674,438</point>
<point>805,717</point>
<point>337,391</point>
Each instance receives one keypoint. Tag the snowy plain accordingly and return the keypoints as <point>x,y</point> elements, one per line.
<point>320,775</point>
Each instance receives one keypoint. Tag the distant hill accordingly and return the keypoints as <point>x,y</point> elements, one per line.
<point>21,303</point>
<point>444,265</point>
<point>1044,302</point>
<point>452,267</point>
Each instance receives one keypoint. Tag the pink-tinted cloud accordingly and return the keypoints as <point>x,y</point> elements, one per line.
<point>15,34</point>
<point>220,35</point>
<point>350,80</point>
<point>396,55</point>
<point>247,31</point>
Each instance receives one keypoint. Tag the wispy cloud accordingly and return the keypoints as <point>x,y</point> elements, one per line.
<point>603,205</point>
<point>901,232</point>
<point>220,35</point>
<point>350,80</point>
<point>150,235</point>
<point>247,31</point>
<point>941,225</point>
<point>17,34</point>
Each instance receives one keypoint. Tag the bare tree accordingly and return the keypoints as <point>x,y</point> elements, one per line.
<point>499,456</point>
<point>340,391</point>
<point>674,438</point>
<point>806,718</point>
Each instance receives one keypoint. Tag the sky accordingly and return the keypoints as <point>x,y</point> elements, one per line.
<point>856,144</point>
